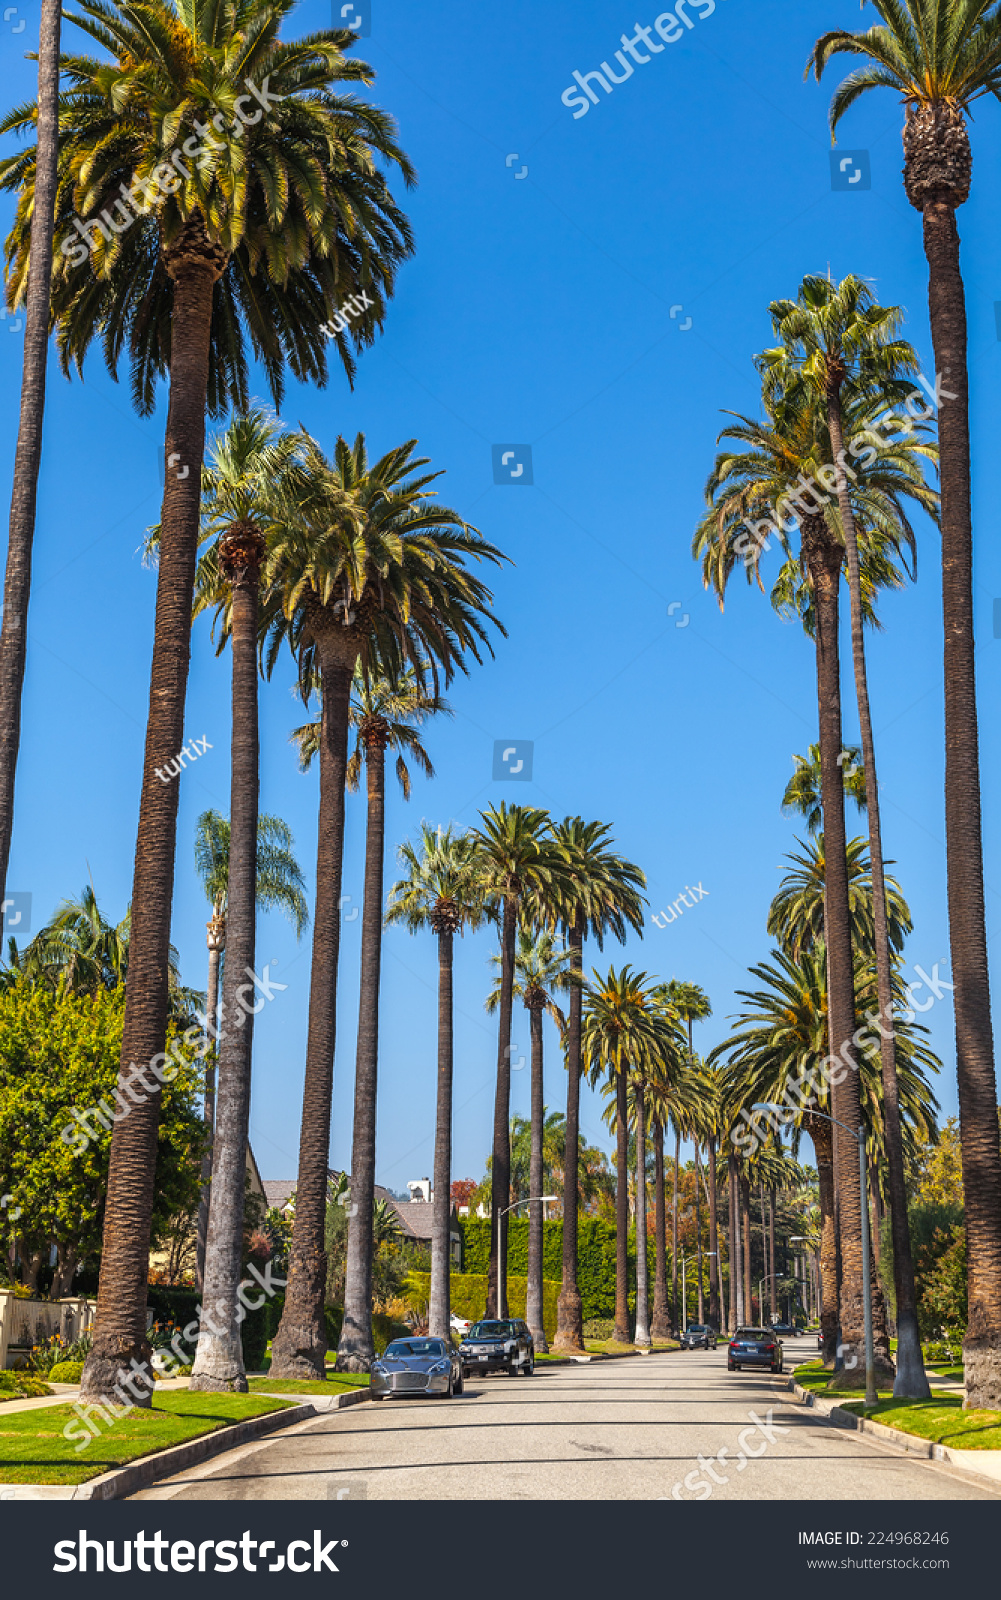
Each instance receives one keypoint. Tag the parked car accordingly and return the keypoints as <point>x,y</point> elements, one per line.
<point>416,1366</point>
<point>460,1325</point>
<point>698,1336</point>
<point>498,1345</point>
<point>788,1328</point>
<point>754,1347</point>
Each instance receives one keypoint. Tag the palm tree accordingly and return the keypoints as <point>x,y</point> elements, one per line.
<point>517,860</point>
<point>796,915</point>
<point>790,448</point>
<point>541,971</point>
<point>440,892</point>
<point>600,894</point>
<point>621,1038</point>
<point>228,238</point>
<point>280,885</point>
<point>833,333</point>
<point>387,712</point>
<point>691,1004</point>
<point>781,1038</point>
<point>941,56</point>
<point>249,469</point>
<point>372,572</point>
<point>28,455</point>
<point>802,792</point>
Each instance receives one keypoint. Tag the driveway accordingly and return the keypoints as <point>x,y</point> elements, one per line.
<point>613,1430</point>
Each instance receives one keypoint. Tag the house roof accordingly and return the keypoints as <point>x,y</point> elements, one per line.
<point>279,1191</point>
<point>416,1217</point>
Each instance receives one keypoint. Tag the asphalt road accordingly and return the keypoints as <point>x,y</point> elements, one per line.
<point>617,1430</point>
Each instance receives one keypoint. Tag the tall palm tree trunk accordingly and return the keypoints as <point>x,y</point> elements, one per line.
<point>745,1234</point>
<point>119,1332</point>
<point>355,1349</point>
<point>298,1348</point>
<point>569,1315</point>
<point>963,834</point>
<point>500,1185</point>
<point>28,455</point>
<point>737,1315</point>
<point>621,1209</point>
<point>910,1377</point>
<point>216,941</point>
<point>821,1132</point>
<point>536,1180</point>
<point>773,1301</point>
<point>660,1327</point>
<point>439,1303</point>
<point>642,1335</point>
<point>698,1230</point>
<point>219,1358</point>
<point>824,562</point>
<point>715,1275</point>
<point>674,1225</point>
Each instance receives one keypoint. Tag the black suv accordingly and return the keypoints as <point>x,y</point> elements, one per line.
<point>498,1345</point>
<point>698,1336</point>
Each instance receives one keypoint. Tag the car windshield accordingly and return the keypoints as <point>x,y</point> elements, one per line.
<point>696,1327</point>
<point>492,1330</point>
<point>751,1333</point>
<point>415,1347</point>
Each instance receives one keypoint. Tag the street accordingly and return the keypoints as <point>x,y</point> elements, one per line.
<point>617,1430</point>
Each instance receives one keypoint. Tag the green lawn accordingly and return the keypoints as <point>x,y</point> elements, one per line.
<point>334,1383</point>
<point>33,1448</point>
<point>609,1347</point>
<point>941,1419</point>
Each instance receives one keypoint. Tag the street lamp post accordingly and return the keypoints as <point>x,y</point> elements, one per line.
<point>527,1202</point>
<point>858,1134</point>
<point>761,1285</point>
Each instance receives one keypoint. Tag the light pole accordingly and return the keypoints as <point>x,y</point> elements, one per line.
<point>708,1254</point>
<point>527,1202</point>
<point>761,1284</point>
<point>858,1134</point>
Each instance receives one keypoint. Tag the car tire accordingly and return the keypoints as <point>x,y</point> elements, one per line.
<point>451,1388</point>
<point>466,1372</point>
<point>458,1387</point>
<point>527,1371</point>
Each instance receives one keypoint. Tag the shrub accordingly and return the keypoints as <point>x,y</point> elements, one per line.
<point>22,1385</point>
<point>44,1356</point>
<point>468,1295</point>
<point>66,1372</point>
<point>600,1328</point>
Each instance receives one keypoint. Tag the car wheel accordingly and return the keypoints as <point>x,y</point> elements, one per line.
<point>527,1371</point>
<point>458,1388</point>
<point>465,1372</point>
<point>729,1366</point>
<point>451,1388</point>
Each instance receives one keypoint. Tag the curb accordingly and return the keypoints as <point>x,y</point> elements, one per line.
<point>908,1443</point>
<point>322,1403</point>
<point>123,1481</point>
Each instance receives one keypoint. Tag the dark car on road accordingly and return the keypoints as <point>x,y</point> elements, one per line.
<point>498,1345</point>
<point>698,1336</point>
<point>416,1366</point>
<point>789,1329</point>
<point>754,1347</point>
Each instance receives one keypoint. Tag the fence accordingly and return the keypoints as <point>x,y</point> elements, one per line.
<point>24,1323</point>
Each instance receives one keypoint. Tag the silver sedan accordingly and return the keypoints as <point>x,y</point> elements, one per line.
<point>416,1366</point>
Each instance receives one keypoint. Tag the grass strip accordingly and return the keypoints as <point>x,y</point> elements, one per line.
<point>34,1449</point>
<point>940,1419</point>
<point>335,1383</point>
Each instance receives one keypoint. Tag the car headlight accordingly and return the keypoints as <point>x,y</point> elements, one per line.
<point>440,1366</point>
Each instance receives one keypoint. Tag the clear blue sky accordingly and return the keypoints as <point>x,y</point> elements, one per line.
<point>537,310</point>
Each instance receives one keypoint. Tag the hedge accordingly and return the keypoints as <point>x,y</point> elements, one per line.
<point>174,1303</point>
<point>595,1257</point>
<point>468,1295</point>
<point>66,1372</point>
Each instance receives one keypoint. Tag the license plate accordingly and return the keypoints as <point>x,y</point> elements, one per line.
<point>481,1358</point>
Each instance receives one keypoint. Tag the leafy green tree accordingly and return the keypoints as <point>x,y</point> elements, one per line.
<point>59,1100</point>
<point>188,248</point>
<point>940,56</point>
<point>373,572</point>
<point>440,891</point>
